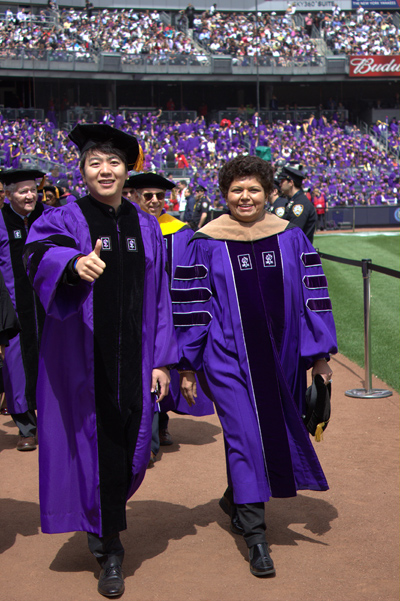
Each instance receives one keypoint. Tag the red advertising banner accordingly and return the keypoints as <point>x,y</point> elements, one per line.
<point>375,66</point>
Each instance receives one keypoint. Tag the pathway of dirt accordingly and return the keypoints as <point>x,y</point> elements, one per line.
<point>341,545</point>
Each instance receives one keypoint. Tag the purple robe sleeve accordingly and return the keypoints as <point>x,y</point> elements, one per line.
<point>318,333</point>
<point>54,239</point>
<point>157,310</point>
<point>192,305</point>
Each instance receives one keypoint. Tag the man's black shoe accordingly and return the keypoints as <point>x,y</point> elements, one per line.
<point>261,564</point>
<point>229,509</point>
<point>111,582</point>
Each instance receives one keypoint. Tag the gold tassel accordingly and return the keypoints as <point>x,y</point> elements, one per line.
<point>139,161</point>
<point>319,432</point>
<point>42,183</point>
<point>44,199</point>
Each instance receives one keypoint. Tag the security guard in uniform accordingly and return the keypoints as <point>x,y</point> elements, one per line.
<point>201,209</point>
<point>298,210</point>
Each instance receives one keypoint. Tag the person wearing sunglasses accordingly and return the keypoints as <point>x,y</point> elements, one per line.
<point>149,191</point>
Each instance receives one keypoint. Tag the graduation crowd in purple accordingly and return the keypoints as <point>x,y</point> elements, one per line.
<point>348,167</point>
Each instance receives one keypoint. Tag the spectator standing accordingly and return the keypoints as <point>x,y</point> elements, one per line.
<point>182,187</point>
<point>190,13</point>
<point>319,202</point>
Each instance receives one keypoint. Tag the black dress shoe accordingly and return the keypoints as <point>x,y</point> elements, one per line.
<point>261,564</point>
<point>111,582</point>
<point>229,509</point>
<point>26,443</point>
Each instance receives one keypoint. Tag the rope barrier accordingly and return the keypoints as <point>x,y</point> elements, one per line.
<point>367,267</point>
<point>392,272</point>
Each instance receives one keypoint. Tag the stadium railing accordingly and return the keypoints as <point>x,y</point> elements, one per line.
<point>15,114</point>
<point>294,116</point>
<point>23,58</point>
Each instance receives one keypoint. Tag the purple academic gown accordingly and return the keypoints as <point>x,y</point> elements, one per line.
<point>254,348</point>
<point>100,343</point>
<point>20,367</point>
<point>176,236</point>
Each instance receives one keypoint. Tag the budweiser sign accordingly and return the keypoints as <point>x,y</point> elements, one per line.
<point>375,66</point>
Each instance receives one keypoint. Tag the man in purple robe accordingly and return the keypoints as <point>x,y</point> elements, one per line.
<point>98,265</point>
<point>149,195</point>
<point>20,368</point>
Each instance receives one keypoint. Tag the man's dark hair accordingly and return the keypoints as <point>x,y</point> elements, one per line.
<point>105,148</point>
<point>246,166</point>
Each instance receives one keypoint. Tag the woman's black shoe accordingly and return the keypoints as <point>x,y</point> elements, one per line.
<point>261,564</point>
<point>111,582</point>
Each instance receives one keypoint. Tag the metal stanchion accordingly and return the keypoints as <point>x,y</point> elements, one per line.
<point>367,392</point>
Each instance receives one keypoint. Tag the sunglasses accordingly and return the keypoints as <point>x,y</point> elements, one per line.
<point>149,195</point>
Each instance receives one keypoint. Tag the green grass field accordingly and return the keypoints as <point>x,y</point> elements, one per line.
<point>346,290</point>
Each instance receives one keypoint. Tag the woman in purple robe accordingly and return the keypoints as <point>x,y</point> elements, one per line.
<point>252,312</point>
<point>98,266</point>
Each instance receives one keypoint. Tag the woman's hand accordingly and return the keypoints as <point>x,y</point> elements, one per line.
<point>188,387</point>
<point>160,380</point>
<point>322,368</point>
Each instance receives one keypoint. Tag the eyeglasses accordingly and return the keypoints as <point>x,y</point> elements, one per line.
<point>149,195</point>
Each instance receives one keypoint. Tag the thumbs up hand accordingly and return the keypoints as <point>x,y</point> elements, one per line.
<point>90,267</point>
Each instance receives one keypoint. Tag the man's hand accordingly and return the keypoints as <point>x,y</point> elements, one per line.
<point>160,380</point>
<point>188,387</point>
<point>91,267</point>
<point>322,367</point>
<point>2,351</point>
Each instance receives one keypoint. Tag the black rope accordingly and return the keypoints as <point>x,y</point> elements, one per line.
<point>392,272</point>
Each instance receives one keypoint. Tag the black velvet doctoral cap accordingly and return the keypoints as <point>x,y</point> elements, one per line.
<point>14,176</point>
<point>85,136</point>
<point>149,180</point>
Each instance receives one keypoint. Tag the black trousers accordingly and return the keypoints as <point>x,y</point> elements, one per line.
<point>26,423</point>
<point>108,550</point>
<point>252,518</point>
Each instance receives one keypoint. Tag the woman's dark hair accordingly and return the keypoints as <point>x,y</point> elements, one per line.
<point>105,148</point>
<point>246,166</point>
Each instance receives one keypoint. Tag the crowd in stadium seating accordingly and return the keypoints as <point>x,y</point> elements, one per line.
<point>361,32</point>
<point>275,39</point>
<point>347,166</point>
<point>127,31</point>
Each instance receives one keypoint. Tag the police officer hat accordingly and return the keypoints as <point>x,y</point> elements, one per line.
<point>149,180</point>
<point>295,175</point>
<point>200,188</point>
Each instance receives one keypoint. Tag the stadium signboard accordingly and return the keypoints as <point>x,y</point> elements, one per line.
<point>376,4</point>
<point>374,66</point>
